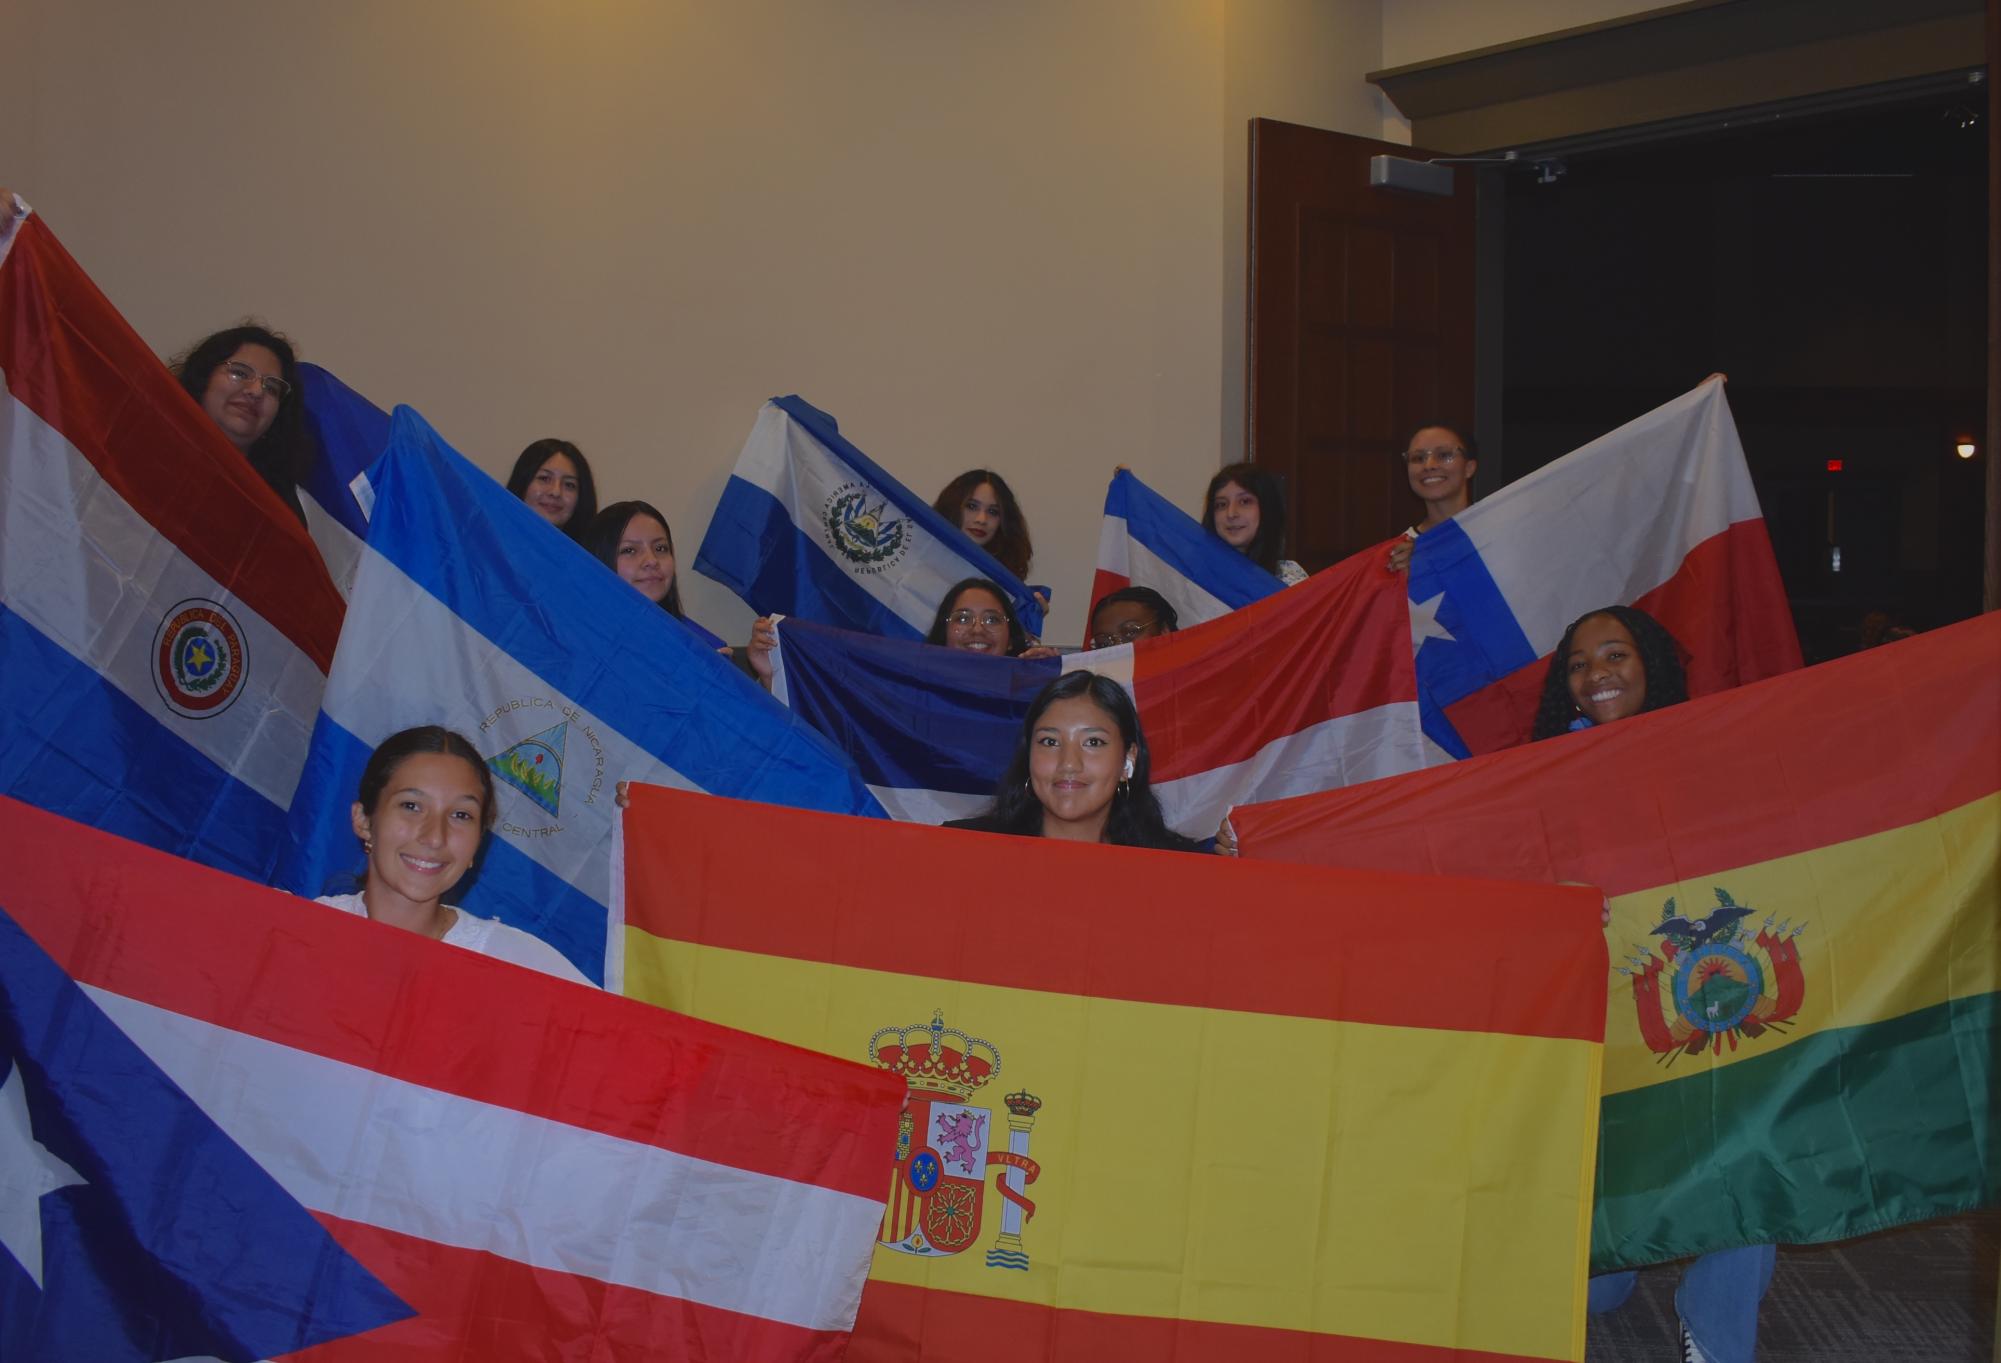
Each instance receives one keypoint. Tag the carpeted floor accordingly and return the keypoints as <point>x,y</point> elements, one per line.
<point>1922,1293</point>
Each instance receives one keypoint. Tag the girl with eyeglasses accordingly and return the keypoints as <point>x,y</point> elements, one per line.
<point>1080,772</point>
<point>247,380</point>
<point>1128,615</point>
<point>977,617</point>
<point>1245,508</point>
<point>1439,462</point>
<point>554,478</point>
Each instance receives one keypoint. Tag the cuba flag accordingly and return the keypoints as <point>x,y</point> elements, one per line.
<point>1148,541</point>
<point>351,432</point>
<point>1659,514</point>
<point>471,611</point>
<point>165,622</point>
<point>809,526</point>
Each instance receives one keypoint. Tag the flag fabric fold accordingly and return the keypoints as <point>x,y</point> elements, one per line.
<point>1351,1116</point>
<point>471,611</point>
<point>165,622</point>
<point>1308,689</point>
<point>1659,514</point>
<point>809,526</point>
<point>261,1126</point>
<point>1147,541</point>
<point>1806,984</point>
<point>351,433</point>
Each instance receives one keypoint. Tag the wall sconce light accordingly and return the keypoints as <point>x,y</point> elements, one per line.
<point>1965,448</point>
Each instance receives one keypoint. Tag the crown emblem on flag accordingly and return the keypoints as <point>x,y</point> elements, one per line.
<point>934,1058</point>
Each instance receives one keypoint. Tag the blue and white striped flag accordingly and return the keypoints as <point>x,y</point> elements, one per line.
<point>808,526</point>
<point>351,432</point>
<point>1148,541</point>
<point>471,611</point>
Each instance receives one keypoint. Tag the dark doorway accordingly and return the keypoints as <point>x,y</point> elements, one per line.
<point>1835,269</point>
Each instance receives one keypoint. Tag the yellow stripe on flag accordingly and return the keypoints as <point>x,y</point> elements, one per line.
<point>1880,936</point>
<point>1194,1163</point>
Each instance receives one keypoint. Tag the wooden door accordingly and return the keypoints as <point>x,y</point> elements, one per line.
<point>1360,327</point>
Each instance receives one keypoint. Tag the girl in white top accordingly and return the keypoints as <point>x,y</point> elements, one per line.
<point>425,805</point>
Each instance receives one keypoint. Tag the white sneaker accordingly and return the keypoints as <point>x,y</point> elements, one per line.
<point>1689,1352</point>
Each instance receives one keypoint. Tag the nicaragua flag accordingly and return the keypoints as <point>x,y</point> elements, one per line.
<point>808,526</point>
<point>237,1124</point>
<point>1307,690</point>
<point>1659,514</point>
<point>1148,541</point>
<point>471,611</point>
<point>165,622</point>
<point>351,432</point>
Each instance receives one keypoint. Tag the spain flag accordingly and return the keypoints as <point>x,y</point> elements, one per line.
<point>1801,1020</point>
<point>1163,1105</point>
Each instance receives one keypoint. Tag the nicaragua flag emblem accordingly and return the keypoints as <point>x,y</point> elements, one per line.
<point>534,766</point>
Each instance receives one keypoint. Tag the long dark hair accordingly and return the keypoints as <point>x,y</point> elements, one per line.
<point>1017,637</point>
<point>425,738</point>
<point>1660,659</point>
<point>1010,544</point>
<point>602,535</point>
<point>1267,547</point>
<point>1135,819</point>
<point>534,457</point>
<point>284,454</point>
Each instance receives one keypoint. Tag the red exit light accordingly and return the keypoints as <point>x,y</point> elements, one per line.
<point>1834,466</point>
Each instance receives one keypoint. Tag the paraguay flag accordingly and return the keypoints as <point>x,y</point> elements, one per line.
<point>471,611</point>
<point>1148,541</point>
<point>809,526</point>
<point>1659,514</point>
<point>351,432</point>
<point>1805,993</point>
<point>235,1124</point>
<point>1308,689</point>
<point>165,623</point>
<point>1164,1106</point>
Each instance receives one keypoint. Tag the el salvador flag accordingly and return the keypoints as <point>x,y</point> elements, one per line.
<point>471,611</point>
<point>809,526</point>
<point>1148,541</point>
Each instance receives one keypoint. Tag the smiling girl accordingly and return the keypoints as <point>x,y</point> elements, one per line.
<point>1439,464</point>
<point>247,379</point>
<point>1611,664</point>
<point>1081,772</point>
<point>423,809</point>
<point>554,478</point>
<point>1245,508</point>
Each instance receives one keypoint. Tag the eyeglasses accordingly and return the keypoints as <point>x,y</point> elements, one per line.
<point>1446,455</point>
<point>1124,634</point>
<point>268,384</point>
<point>984,619</point>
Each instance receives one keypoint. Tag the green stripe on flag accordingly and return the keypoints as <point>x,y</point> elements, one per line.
<point>1921,1086</point>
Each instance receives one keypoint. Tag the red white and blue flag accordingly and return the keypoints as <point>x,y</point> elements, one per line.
<point>1309,689</point>
<point>1659,514</point>
<point>165,622</point>
<point>1147,541</point>
<point>241,1125</point>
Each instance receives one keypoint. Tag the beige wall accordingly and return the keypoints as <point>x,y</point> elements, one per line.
<point>979,232</point>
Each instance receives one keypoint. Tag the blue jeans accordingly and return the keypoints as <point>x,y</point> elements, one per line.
<point>1717,1300</point>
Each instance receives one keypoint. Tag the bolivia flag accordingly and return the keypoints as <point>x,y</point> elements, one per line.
<point>1162,1105</point>
<point>1801,1023</point>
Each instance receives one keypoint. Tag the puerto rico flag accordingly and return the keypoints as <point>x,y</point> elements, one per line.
<point>1658,514</point>
<point>235,1124</point>
<point>471,611</point>
<point>165,623</point>
<point>1307,690</point>
<point>809,526</point>
<point>1148,541</point>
